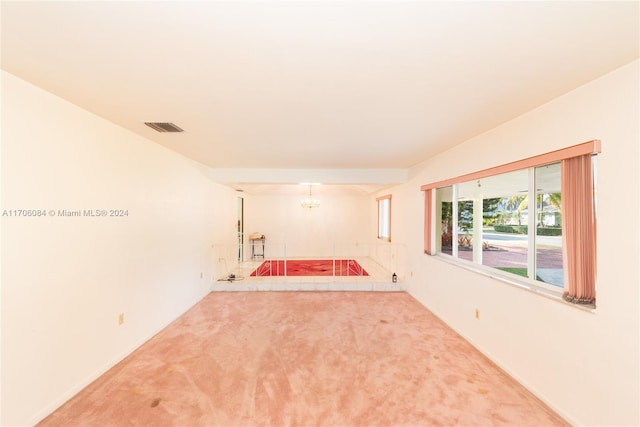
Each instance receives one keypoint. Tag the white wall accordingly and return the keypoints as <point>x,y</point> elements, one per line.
<point>585,365</point>
<point>317,232</point>
<point>66,279</point>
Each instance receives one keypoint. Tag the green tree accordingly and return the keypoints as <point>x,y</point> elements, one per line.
<point>465,212</point>
<point>516,204</point>
<point>490,210</point>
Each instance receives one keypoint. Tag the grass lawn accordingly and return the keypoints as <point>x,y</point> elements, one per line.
<point>519,271</point>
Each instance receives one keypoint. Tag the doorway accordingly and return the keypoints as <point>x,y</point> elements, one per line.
<point>240,229</point>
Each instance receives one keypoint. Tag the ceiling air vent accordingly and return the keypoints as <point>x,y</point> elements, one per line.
<point>163,127</point>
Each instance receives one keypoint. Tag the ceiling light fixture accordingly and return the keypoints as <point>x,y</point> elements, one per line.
<point>310,202</point>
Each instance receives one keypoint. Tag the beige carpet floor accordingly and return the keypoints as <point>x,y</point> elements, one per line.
<point>305,359</point>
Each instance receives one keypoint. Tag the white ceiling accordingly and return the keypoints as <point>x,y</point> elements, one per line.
<point>314,85</point>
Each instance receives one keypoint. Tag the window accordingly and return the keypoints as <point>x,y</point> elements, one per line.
<point>384,218</point>
<point>532,220</point>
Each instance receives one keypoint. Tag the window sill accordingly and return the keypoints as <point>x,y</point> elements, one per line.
<point>523,283</point>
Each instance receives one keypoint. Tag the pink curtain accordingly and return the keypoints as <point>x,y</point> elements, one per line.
<point>427,221</point>
<point>579,230</point>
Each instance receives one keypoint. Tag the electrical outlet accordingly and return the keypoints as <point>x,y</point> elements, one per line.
<point>477,314</point>
<point>120,318</point>
<point>201,274</point>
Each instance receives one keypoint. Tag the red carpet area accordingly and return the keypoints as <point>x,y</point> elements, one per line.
<point>315,267</point>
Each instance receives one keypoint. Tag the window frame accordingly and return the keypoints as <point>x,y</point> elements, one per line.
<point>381,202</point>
<point>430,227</point>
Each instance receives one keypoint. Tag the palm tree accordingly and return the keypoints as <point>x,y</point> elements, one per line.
<point>555,200</point>
<point>552,199</point>
<point>516,203</point>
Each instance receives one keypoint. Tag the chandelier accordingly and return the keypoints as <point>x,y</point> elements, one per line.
<point>310,202</point>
